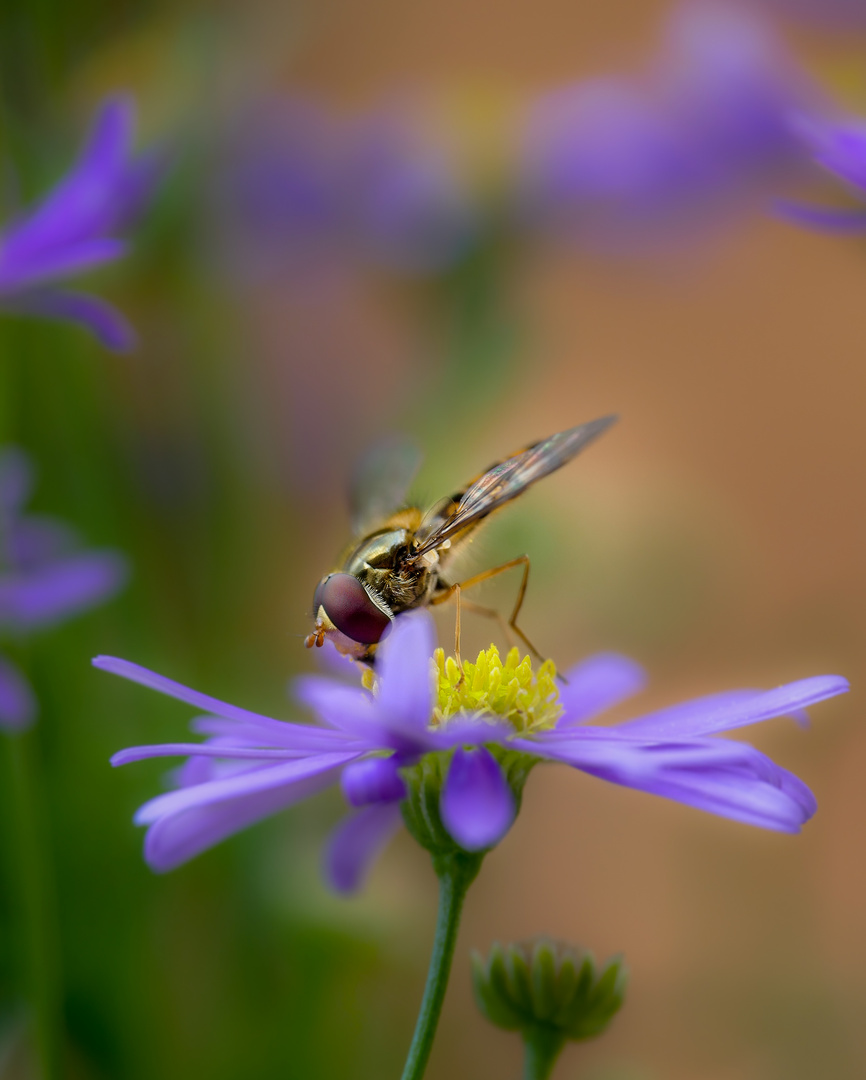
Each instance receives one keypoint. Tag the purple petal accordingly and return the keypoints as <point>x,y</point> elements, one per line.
<point>18,272</point>
<point>83,204</point>
<point>202,768</point>
<point>374,780</point>
<point>110,139</point>
<point>240,753</point>
<point>61,590</point>
<point>241,785</point>
<point>405,694</point>
<point>740,798</point>
<point>597,684</point>
<point>280,733</point>
<point>188,830</point>
<point>137,674</point>
<point>348,708</point>
<point>477,806</point>
<point>335,664</point>
<point>730,779</point>
<point>105,322</point>
<point>825,218</point>
<point>195,770</point>
<point>17,703</point>
<point>839,147</point>
<point>70,230</point>
<point>737,708</point>
<point>357,842</point>
<point>397,717</point>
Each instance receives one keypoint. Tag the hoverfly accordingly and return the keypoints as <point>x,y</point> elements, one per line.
<point>398,557</point>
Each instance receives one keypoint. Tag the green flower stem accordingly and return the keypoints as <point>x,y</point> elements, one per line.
<point>543,1047</point>
<point>456,873</point>
<point>38,913</point>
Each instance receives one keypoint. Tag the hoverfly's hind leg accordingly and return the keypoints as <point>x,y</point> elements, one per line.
<point>518,604</point>
<point>485,575</point>
<point>490,613</point>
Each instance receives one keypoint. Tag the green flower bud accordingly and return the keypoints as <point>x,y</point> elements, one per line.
<point>421,806</point>
<point>424,783</point>
<point>548,990</point>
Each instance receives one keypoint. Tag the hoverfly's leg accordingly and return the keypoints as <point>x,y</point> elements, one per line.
<point>457,655</point>
<point>485,575</point>
<point>448,592</point>
<point>490,613</point>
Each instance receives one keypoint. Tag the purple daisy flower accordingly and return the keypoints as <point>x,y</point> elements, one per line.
<point>75,228</point>
<point>476,734</point>
<point>43,582</point>
<point>619,164</point>
<point>839,148</point>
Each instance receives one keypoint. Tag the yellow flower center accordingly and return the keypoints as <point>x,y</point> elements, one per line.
<point>510,690</point>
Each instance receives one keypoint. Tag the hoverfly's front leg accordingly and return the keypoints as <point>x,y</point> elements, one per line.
<point>485,575</point>
<point>449,591</point>
<point>457,655</point>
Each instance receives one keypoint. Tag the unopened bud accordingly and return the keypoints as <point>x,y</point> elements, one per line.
<point>545,986</point>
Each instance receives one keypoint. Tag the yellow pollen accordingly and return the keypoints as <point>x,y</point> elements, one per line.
<point>510,690</point>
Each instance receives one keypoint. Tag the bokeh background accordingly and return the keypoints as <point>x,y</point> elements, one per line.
<point>716,534</point>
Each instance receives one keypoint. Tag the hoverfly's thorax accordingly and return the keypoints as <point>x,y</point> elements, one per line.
<point>377,555</point>
<point>384,563</point>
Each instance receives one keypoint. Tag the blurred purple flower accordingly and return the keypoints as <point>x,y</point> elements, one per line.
<point>251,766</point>
<point>75,228</point>
<point>42,581</point>
<point>277,185</point>
<point>618,164</point>
<point>409,205</point>
<point>839,148</point>
<point>296,183</point>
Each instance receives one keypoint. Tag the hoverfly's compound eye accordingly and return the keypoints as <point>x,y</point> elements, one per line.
<point>350,608</point>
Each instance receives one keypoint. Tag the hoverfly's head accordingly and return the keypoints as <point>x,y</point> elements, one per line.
<point>349,613</point>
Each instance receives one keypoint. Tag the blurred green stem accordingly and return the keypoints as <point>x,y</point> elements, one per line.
<point>543,1047</point>
<point>456,874</point>
<point>40,937</point>
<point>476,336</point>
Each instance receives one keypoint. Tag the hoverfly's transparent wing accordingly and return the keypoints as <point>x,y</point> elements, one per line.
<point>380,481</point>
<point>508,479</point>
